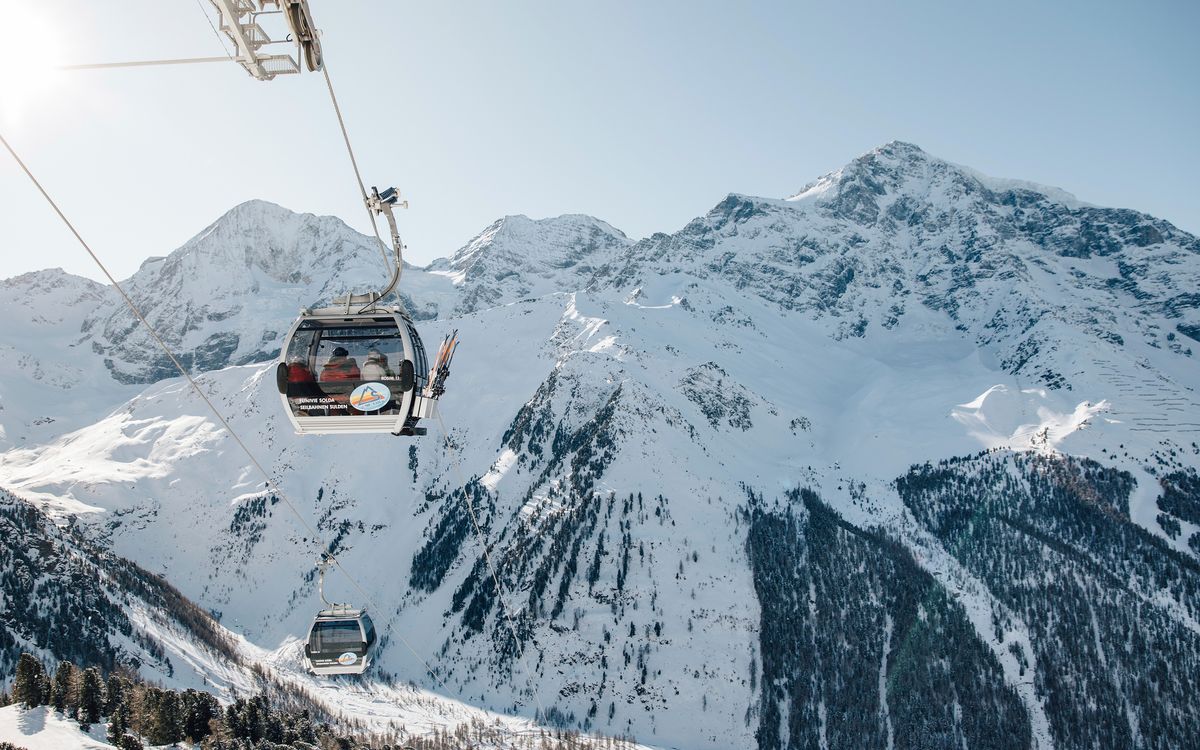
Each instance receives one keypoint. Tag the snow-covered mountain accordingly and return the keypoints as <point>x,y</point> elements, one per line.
<point>1022,269</point>
<point>50,379</point>
<point>906,459</point>
<point>225,296</point>
<point>228,295</point>
<point>518,258</point>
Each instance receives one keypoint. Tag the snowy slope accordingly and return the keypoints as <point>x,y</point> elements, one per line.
<point>42,728</point>
<point>50,380</point>
<point>632,440</point>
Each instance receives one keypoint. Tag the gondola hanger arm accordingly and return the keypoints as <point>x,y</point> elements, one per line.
<point>384,203</point>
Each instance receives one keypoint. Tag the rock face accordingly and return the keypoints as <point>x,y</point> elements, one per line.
<point>908,459</point>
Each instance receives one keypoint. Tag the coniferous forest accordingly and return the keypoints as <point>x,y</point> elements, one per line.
<point>1052,540</point>
<point>137,714</point>
<point>862,647</point>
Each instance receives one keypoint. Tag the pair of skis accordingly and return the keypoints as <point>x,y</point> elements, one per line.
<point>441,365</point>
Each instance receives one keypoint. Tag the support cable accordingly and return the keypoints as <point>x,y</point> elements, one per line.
<point>362,188</point>
<point>144,63</point>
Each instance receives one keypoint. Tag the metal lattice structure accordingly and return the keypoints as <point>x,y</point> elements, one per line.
<point>256,50</point>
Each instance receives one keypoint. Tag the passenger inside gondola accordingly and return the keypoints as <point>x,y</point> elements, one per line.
<point>298,372</point>
<point>349,368</point>
<point>376,367</point>
<point>341,366</point>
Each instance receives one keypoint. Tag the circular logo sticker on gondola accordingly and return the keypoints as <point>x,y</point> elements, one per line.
<point>370,397</point>
<point>347,659</point>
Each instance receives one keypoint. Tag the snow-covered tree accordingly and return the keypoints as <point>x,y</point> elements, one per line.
<point>199,709</point>
<point>129,742</point>
<point>29,682</point>
<point>158,715</point>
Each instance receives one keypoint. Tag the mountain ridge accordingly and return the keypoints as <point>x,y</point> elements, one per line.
<point>660,448</point>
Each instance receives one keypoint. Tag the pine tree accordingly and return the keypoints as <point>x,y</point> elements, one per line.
<point>160,716</point>
<point>118,722</point>
<point>91,698</point>
<point>199,709</point>
<point>44,686</point>
<point>62,690</point>
<point>29,681</point>
<point>4,699</point>
<point>115,694</point>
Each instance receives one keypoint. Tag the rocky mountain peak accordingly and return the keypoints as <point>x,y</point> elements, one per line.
<point>1019,267</point>
<point>51,282</point>
<point>539,244</point>
<point>890,157</point>
<point>259,236</point>
<point>517,257</point>
<point>50,296</point>
<point>900,171</point>
<point>210,298</point>
<point>254,209</point>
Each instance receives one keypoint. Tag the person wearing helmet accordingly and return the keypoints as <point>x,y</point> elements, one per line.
<point>376,367</point>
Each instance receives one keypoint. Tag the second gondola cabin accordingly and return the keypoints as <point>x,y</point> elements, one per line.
<point>340,641</point>
<point>347,370</point>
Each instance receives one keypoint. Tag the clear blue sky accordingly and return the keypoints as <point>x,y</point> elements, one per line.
<point>644,114</point>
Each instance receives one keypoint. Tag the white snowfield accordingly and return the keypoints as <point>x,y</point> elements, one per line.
<point>43,728</point>
<point>820,342</point>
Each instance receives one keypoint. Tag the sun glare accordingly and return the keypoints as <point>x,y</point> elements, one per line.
<point>29,60</point>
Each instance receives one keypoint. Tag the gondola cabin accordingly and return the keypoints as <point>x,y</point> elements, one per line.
<point>340,641</point>
<point>343,372</point>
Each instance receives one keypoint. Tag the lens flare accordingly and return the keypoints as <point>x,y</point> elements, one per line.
<point>29,59</point>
